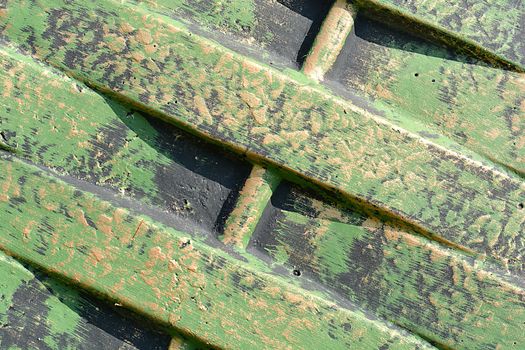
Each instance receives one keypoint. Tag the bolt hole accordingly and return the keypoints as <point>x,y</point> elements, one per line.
<point>433,80</point>
<point>416,74</point>
<point>185,244</point>
<point>296,272</point>
<point>521,206</point>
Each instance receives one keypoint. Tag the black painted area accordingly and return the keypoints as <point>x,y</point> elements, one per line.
<point>394,20</point>
<point>292,26</point>
<point>201,181</point>
<point>370,38</point>
<point>100,325</point>
<point>282,34</point>
<point>269,233</point>
<point>262,236</point>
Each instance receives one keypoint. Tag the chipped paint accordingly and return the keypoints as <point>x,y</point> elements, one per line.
<point>427,232</point>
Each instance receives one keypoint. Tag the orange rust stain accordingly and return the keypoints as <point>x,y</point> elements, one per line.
<point>79,215</point>
<point>202,108</point>
<point>8,87</point>
<point>119,215</point>
<point>27,230</point>
<point>54,238</point>
<point>293,298</point>
<point>250,99</point>
<point>455,275</point>
<point>176,344</point>
<point>251,68</point>
<point>173,265</point>
<point>174,319</point>
<point>244,214</point>
<point>104,224</point>
<point>260,115</point>
<point>437,255</point>
<point>155,255</point>
<point>391,233</point>
<point>150,49</point>
<point>259,303</point>
<point>118,286</point>
<point>151,281</point>
<point>381,91</point>
<point>97,254</point>
<point>373,224</point>
<point>410,240</point>
<point>143,36</point>
<point>492,133</point>
<point>137,56</point>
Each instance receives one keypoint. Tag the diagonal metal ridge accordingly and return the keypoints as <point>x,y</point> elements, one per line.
<point>490,31</point>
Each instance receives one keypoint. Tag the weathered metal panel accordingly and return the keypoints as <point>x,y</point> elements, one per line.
<point>385,203</point>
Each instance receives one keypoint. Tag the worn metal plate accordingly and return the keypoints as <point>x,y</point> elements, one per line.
<point>262,174</point>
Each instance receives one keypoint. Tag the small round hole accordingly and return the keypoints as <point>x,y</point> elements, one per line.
<point>433,80</point>
<point>521,206</point>
<point>296,272</point>
<point>185,244</point>
<point>416,74</point>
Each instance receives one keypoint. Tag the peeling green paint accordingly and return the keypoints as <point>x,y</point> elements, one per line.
<point>430,290</point>
<point>340,144</point>
<point>492,30</point>
<point>38,312</point>
<point>176,281</point>
<point>438,87</point>
<point>416,158</point>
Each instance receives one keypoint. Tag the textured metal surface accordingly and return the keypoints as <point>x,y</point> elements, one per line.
<point>385,203</point>
<point>40,312</point>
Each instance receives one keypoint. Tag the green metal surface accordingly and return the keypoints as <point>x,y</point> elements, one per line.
<point>492,30</point>
<point>39,312</point>
<point>405,224</point>
<point>166,275</point>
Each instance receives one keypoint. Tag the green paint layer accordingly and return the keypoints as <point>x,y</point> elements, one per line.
<point>164,274</point>
<point>345,146</point>
<point>430,290</point>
